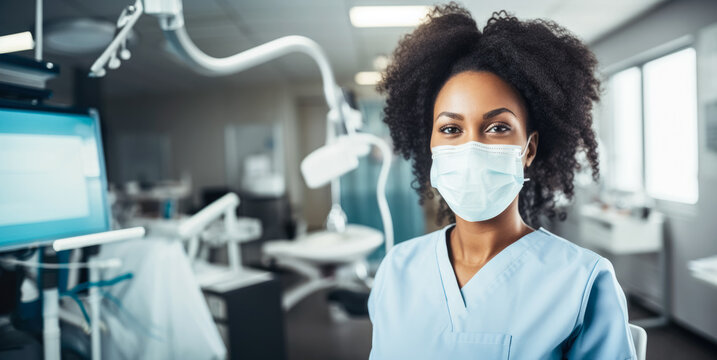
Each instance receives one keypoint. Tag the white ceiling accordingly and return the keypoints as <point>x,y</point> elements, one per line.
<point>224,27</point>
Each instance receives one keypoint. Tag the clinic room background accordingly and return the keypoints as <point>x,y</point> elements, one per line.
<point>210,179</point>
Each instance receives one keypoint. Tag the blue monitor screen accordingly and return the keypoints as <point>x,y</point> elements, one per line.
<point>52,177</point>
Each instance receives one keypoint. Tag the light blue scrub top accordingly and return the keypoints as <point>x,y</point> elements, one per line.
<point>542,297</point>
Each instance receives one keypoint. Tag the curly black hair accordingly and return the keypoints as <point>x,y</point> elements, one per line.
<point>552,70</point>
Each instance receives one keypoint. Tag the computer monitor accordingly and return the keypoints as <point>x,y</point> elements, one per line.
<point>52,176</point>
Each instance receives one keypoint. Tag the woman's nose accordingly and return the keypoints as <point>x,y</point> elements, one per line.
<point>473,135</point>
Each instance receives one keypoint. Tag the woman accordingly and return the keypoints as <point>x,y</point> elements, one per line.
<point>493,120</point>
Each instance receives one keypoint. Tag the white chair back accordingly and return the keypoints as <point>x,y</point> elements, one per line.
<point>639,338</point>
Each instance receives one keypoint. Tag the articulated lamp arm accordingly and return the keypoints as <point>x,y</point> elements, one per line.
<point>171,20</point>
<point>381,185</point>
<point>205,64</point>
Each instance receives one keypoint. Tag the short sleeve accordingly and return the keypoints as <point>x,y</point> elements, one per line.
<point>603,331</point>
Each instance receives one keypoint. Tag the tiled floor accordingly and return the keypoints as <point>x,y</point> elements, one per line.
<point>313,334</point>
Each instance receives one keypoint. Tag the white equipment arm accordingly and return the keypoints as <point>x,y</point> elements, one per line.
<point>198,222</point>
<point>191,229</point>
<point>205,64</point>
<point>51,329</point>
<point>381,186</point>
<point>97,238</point>
<point>171,20</point>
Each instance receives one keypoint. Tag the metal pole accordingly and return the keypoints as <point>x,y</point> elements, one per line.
<point>95,310</point>
<point>38,30</point>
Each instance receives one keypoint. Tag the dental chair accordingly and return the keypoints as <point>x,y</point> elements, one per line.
<point>335,257</point>
<point>639,338</point>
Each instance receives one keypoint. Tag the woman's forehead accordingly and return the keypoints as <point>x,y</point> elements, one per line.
<point>474,93</point>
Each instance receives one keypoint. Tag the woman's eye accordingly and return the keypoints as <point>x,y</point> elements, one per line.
<point>450,130</point>
<point>498,128</point>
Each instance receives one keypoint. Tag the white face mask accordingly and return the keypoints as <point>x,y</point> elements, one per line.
<point>478,181</point>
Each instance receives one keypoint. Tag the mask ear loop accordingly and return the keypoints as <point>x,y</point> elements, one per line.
<point>525,150</point>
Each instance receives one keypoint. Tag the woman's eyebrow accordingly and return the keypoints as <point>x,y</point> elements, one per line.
<point>451,115</point>
<point>486,116</point>
<point>496,112</point>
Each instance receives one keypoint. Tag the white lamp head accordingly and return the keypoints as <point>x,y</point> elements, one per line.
<point>330,162</point>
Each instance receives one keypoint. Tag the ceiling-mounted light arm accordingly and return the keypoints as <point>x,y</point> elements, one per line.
<point>208,65</point>
<point>126,21</point>
<point>171,20</point>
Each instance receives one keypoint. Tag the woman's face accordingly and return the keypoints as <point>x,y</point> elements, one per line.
<point>480,106</point>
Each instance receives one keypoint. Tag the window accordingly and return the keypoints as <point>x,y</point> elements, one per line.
<point>671,127</point>
<point>654,128</point>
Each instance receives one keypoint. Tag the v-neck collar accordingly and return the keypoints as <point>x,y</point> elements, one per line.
<point>483,280</point>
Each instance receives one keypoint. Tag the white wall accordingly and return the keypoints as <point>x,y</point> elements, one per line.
<point>311,113</point>
<point>195,124</point>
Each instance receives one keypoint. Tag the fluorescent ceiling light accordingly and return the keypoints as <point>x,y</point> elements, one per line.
<point>380,62</point>
<point>367,77</point>
<point>16,42</point>
<point>387,16</point>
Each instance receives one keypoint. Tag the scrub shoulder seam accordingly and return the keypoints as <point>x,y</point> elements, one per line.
<point>585,294</point>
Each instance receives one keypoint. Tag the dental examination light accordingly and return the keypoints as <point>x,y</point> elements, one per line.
<point>341,151</point>
<point>329,162</point>
<point>318,256</point>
